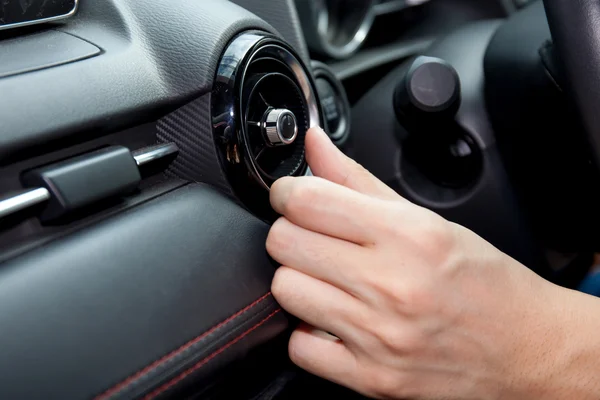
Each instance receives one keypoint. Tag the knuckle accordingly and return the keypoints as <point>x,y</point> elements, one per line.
<point>318,256</point>
<point>356,170</point>
<point>388,227</point>
<point>389,339</point>
<point>435,239</point>
<point>350,167</point>
<point>414,299</point>
<point>393,338</point>
<point>385,335</point>
<point>396,339</point>
<point>384,384</point>
<point>361,318</point>
<point>301,196</point>
<point>428,233</point>
<point>319,253</point>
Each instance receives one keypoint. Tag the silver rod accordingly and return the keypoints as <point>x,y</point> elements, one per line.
<point>150,154</point>
<point>22,201</point>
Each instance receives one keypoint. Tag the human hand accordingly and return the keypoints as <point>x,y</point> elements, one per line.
<point>420,307</point>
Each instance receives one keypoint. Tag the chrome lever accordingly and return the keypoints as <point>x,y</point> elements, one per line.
<point>32,197</point>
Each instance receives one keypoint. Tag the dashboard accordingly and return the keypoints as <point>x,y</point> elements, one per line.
<point>138,142</point>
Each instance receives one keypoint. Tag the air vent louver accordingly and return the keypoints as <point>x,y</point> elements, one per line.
<point>266,91</point>
<point>263,102</point>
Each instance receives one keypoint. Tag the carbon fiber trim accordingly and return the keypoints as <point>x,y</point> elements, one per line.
<point>191,129</point>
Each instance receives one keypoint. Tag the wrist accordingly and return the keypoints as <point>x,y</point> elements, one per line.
<point>564,356</point>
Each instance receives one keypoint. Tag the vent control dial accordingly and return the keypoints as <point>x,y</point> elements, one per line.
<point>280,127</point>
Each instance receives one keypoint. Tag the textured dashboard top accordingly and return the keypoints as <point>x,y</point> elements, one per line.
<point>284,17</point>
<point>156,55</point>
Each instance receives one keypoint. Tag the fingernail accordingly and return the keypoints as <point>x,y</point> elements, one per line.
<point>322,134</point>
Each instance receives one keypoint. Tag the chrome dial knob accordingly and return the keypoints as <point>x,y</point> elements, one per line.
<point>280,127</point>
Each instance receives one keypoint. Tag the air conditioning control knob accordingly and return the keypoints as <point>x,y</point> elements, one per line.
<point>280,127</point>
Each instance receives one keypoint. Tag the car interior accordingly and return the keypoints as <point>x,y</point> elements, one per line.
<point>139,140</point>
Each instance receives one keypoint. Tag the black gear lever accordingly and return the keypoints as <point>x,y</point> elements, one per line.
<point>426,101</point>
<point>428,94</point>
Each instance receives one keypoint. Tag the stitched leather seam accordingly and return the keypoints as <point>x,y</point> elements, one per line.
<point>182,361</point>
<point>120,386</point>
<point>205,361</point>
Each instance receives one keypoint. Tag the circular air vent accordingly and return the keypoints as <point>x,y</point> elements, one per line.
<point>267,93</point>
<point>263,103</point>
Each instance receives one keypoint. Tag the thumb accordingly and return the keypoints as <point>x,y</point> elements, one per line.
<point>328,162</point>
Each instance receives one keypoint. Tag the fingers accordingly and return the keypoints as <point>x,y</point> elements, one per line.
<point>328,162</point>
<point>322,257</point>
<point>316,302</point>
<point>322,354</point>
<point>324,207</point>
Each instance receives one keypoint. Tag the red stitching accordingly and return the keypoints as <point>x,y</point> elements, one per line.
<point>204,361</point>
<point>147,369</point>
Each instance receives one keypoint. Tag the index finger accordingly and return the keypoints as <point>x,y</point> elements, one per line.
<point>328,208</point>
<point>328,162</point>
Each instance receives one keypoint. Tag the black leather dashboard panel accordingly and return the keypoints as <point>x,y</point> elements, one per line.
<point>140,304</point>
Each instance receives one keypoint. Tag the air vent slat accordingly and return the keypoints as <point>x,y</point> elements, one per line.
<point>269,102</point>
<point>266,91</point>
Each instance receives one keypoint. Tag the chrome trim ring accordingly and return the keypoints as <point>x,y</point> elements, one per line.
<point>323,31</point>
<point>357,38</point>
<point>305,85</point>
<point>228,96</point>
<point>323,72</point>
<point>320,27</point>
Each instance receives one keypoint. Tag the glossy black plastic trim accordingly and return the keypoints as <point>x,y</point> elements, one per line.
<point>228,109</point>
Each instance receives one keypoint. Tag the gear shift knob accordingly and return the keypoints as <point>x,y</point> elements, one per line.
<point>426,101</point>
<point>428,93</point>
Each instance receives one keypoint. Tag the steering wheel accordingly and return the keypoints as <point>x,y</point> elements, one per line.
<point>575,27</point>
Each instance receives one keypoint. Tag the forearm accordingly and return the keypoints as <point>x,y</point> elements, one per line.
<point>569,366</point>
